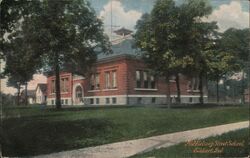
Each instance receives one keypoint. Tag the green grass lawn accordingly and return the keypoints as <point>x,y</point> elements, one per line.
<point>33,130</point>
<point>240,147</point>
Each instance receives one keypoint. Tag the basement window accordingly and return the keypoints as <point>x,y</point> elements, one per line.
<point>91,101</point>
<point>97,100</point>
<point>113,100</point>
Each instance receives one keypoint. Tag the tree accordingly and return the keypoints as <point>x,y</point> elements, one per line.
<point>64,33</point>
<point>154,36</point>
<point>196,37</point>
<point>174,39</point>
<point>21,63</point>
<point>12,12</point>
<point>220,63</point>
<point>236,42</point>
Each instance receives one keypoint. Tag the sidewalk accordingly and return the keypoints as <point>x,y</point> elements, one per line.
<point>132,147</point>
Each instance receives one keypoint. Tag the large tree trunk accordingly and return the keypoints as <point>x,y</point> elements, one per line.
<point>177,81</point>
<point>168,92</point>
<point>217,90</point>
<point>26,93</point>
<point>201,87</point>
<point>57,82</point>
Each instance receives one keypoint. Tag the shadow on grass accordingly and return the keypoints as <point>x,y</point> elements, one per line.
<point>34,136</point>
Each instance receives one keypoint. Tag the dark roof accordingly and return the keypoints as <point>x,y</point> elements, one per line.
<point>123,32</point>
<point>42,86</point>
<point>123,48</point>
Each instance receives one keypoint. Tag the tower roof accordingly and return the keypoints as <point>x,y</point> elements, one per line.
<point>123,32</point>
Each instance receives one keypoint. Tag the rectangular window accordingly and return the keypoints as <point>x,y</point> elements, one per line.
<point>152,82</point>
<point>92,82</point>
<point>145,79</point>
<point>97,81</point>
<point>62,101</point>
<point>138,79</point>
<point>153,100</point>
<point>107,80</point>
<point>190,99</point>
<point>196,84</point>
<point>66,101</point>
<point>139,100</point>
<point>113,100</point>
<point>107,101</point>
<point>114,80</point>
<point>193,84</point>
<point>91,101</point>
<point>53,86</point>
<point>97,100</point>
<point>64,85</point>
<point>52,102</point>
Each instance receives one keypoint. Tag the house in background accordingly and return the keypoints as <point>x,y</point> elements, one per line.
<point>41,93</point>
<point>121,78</point>
<point>31,96</point>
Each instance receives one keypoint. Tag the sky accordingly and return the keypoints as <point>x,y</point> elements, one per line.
<point>125,13</point>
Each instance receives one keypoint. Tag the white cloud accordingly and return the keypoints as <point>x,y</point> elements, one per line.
<point>230,15</point>
<point>120,17</point>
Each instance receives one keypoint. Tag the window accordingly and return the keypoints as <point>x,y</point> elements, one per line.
<point>53,86</point>
<point>64,85</point>
<point>97,81</point>
<point>153,100</point>
<point>62,101</point>
<point>145,79</point>
<point>66,101</point>
<point>139,100</point>
<point>190,99</point>
<point>52,102</point>
<point>97,100</point>
<point>193,84</point>
<point>114,80</point>
<point>107,80</point>
<point>78,92</point>
<point>107,101</point>
<point>138,79</point>
<point>113,100</point>
<point>92,82</point>
<point>196,84</point>
<point>152,82</point>
<point>91,101</point>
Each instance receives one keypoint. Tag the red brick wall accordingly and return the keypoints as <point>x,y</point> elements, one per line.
<point>161,86</point>
<point>126,80</point>
<point>64,94</point>
<point>120,67</point>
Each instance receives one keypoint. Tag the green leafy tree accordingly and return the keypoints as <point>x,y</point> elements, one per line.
<point>196,38</point>
<point>64,33</point>
<point>236,42</point>
<point>21,63</point>
<point>12,12</point>
<point>175,39</point>
<point>221,63</point>
<point>154,36</point>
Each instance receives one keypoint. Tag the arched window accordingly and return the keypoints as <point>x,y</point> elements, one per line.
<point>78,92</point>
